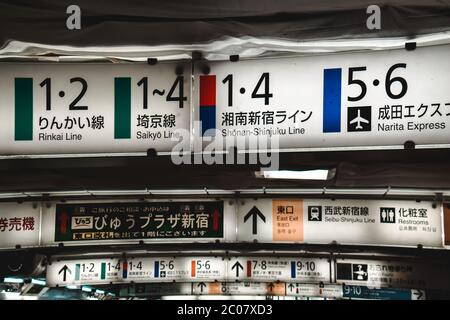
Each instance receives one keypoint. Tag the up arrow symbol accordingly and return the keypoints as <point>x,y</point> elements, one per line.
<point>255,213</point>
<point>64,270</point>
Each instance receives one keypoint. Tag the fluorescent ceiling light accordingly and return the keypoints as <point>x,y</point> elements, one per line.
<point>38,282</point>
<point>13,280</point>
<point>100,291</point>
<point>86,289</point>
<point>319,174</point>
<point>72,287</point>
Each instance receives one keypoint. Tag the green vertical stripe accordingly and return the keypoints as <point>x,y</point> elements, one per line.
<point>103,271</point>
<point>122,108</point>
<point>77,272</point>
<point>23,109</point>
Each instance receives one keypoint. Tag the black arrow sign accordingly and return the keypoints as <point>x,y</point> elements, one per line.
<point>291,286</point>
<point>64,270</point>
<point>201,285</point>
<point>418,293</point>
<point>255,213</point>
<point>237,266</point>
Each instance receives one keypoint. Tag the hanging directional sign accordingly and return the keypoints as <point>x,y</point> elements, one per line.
<point>373,222</point>
<point>92,108</point>
<point>282,269</point>
<point>159,269</point>
<point>393,274</point>
<point>362,292</point>
<point>19,225</point>
<point>345,100</point>
<point>314,290</point>
<point>150,221</point>
<point>188,269</point>
<point>233,288</point>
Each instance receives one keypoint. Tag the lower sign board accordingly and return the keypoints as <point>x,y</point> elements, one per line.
<point>234,288</point>
<point>362,292</point>
<point>187,269</point>
<point>392,274</point>
<point>165,269</point>
<point>370,222</point>
<point>314,290</point>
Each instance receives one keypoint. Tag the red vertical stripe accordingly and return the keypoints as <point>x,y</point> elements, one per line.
<point>193,266</point>
<point>207,90</point>
<point>249,268</point>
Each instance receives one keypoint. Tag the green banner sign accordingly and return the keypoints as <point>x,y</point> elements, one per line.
<point>146,220</point>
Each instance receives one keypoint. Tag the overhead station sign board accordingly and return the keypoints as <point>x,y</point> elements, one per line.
<point>94,222</point>
<point>371,222</point>
<point>349,100</point>
<point>393,274</point>
<point>92,108</point>
<point>187,269</point>
<point>19,225</point>
<point>284,220</point>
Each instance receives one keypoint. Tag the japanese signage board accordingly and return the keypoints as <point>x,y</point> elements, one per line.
<point>370,222</point>
<point>92,108</point>
<point>234,288</point>
<point>292,220</point>
<point>19,225</point>
<point>394,274</point>
<point>158,269</point>
<point>362,292</point>
<point>347,100</point>
<point>314,290</point>
<point>306,270</point>
<point>188,269</point>
<point>93,222</point>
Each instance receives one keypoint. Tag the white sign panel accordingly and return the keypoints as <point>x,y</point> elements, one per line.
<point>187,269</point>
<point>236,289</point>
<point>82,272</point>
<point>345,100</point>
<point>314,290</point>
<point>279,269</point>
<point>370,222</point>
<point>19,225</point>
<point>163,269</point>
<point>232,288</point>
<point>394,274</point>
<point>92,108</point>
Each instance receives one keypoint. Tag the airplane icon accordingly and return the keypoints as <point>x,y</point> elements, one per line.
<point>358,120</point>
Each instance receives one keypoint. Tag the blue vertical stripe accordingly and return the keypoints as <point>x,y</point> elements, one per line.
<point>208,118</point>
<point>332,100</point>
<point>156,269</point>
<point>293,271</point>
<point>125,270</point>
